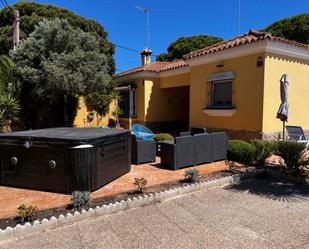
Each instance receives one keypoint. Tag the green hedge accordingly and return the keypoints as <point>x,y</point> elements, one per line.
<point>262,150</point>
<point>293,154</point>
<point>163,137</point>
<point>240,151</point>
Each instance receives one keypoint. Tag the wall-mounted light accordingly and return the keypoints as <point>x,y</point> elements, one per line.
<point>259,61</point>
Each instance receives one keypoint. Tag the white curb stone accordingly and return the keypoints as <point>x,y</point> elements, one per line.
<point>61,219</point>
<point>130,203</point>
<point>77,216</point>
<point>8,233</point>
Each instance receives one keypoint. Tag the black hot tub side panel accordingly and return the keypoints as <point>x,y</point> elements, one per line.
<point>85,169</point>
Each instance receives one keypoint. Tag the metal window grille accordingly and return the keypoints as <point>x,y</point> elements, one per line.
<point>219,94</point>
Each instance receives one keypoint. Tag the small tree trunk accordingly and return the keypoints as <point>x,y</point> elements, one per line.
<point>65,111</point>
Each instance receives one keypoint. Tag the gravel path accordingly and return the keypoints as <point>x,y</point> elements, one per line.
<point>259,213</point>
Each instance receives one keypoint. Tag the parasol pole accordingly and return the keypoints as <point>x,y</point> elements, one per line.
<point>283,130</point>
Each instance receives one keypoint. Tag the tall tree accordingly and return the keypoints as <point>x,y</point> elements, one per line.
<point>57,63</point>
<point>185,45</point>
<point>292,28</point>
<point>32,13</point>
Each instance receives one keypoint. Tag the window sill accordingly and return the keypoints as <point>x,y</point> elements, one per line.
<point>220,112</point>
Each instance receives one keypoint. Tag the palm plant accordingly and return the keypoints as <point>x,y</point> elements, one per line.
<point>9,109</point>
<point>114,95</point>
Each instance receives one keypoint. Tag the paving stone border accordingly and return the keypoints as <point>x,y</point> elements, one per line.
<point>115,207</point>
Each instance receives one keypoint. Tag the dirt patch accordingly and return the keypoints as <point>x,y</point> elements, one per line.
<point>48,213</point>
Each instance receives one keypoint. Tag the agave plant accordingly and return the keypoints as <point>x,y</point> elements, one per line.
<point>9,110</point>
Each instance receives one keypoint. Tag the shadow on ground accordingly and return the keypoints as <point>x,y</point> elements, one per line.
<point>272,188</point>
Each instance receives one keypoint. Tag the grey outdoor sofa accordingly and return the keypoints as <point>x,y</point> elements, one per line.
<point>195,149</point>
<point>142,151</point>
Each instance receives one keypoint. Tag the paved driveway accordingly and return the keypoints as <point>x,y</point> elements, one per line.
<point>256,214</point>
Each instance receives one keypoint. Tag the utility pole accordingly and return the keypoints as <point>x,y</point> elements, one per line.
<point>16,29</point>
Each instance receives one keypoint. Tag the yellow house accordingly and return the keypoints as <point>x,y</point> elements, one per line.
<point>233,85</point>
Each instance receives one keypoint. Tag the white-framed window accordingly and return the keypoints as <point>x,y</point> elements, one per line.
<point>219,91</point>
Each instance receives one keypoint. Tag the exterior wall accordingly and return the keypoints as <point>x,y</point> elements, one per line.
<point>298,74</point>
<point>82,112</point>
<point>169,104</point>
<point>175,81</point>
<point>247,95</point>
<point>156,105</point>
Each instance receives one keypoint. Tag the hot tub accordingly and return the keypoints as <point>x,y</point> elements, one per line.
<point>64,159</point>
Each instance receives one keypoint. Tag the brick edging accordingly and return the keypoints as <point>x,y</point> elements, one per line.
<point>115,207</point>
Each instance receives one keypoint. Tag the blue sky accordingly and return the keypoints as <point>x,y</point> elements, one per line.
<point>170,19</point>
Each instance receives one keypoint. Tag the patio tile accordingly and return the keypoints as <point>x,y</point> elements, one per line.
<point>11,198</point>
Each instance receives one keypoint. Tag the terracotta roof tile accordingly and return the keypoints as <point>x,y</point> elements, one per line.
<point>251,37</point>
<point>248,38</point>
<point>156,66</point>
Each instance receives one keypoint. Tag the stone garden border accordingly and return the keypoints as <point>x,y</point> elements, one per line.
<point>115,207</point>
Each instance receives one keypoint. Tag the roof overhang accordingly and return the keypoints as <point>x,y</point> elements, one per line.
<point>248,49</point>
<point>149,75</point>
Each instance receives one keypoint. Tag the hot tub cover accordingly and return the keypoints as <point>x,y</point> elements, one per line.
<point>65,134</point>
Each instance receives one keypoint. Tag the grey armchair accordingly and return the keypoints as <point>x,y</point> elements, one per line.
<point>194,149</point>
<point>219,146</point>
<point>179,154</point>
<point>193,131</point>
<point>143,151</point>
<point>203,148</point>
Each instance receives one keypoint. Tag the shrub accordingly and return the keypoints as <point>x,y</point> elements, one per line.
<point>163,137</point>
<point>240,151</point>
<point>230,164</point>
<point>191,175</point>
<point>262,150</point>
<point>9,110</point>
<point>140,184</point>
<point>293,154</point>
<point>25,213</point>
<point>80,199</point>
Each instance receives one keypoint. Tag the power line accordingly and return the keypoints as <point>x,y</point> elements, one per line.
<point>130,49</point>
<point>6,5</point>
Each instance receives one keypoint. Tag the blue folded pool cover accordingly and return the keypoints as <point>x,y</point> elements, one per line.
<point>142,132</point>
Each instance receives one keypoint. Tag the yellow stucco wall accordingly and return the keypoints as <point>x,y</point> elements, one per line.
<point>247,94</point>
<point>175,81</point>
<point>171,104</point>
<point>298,74</point>
<point>82,112</point>
<point>156,104</point>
